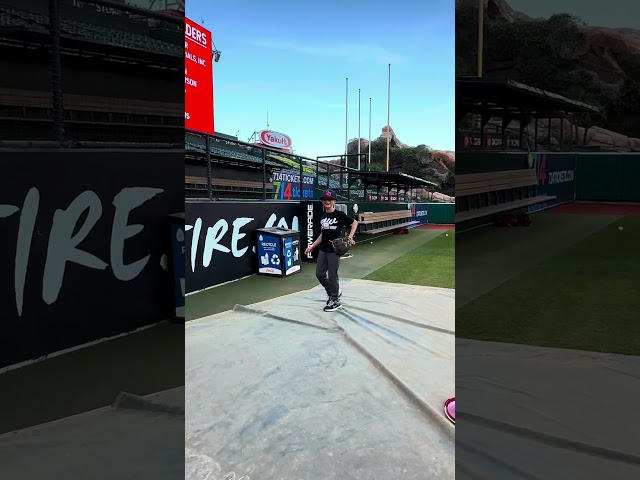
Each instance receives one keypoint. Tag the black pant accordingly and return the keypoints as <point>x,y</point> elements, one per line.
<point>327,272</point>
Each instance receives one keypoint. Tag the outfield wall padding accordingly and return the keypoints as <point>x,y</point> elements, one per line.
<point>220,236</point>
<point>86,235</point>
<point>608,177</point>
<point>568,176</point>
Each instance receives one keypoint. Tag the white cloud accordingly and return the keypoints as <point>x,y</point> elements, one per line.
<point>359,53</point>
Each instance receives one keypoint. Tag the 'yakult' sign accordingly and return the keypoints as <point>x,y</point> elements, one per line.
<point>275,139</point>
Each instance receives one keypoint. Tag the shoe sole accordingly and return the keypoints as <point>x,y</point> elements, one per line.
<point>332,309</point>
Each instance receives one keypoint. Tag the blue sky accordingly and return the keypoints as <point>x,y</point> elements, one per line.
<point>292,59</point>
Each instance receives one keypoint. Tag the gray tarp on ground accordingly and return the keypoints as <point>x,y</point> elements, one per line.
<point>546,413</point>
<point>283,390</point>
<point>136,439</point>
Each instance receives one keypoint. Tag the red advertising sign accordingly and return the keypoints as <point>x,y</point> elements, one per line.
<point>198,78</point>
<point>275,140</point>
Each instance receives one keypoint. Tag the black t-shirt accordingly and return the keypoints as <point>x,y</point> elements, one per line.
<point>331,225</point>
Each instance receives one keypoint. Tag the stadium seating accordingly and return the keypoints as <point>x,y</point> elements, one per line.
<point>11,17</point>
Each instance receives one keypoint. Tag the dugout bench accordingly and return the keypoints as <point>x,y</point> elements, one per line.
<point>485,194</point>
<point>370,223</point>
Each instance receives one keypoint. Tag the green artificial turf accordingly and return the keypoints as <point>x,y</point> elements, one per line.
<point>431,264</point>
<point>585,297</point>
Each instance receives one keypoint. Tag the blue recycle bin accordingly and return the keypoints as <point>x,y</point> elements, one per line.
<point>279,251</point>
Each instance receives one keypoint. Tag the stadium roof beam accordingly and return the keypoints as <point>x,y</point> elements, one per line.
<point>493,95</point>
<point>390,180</point>
<point>511,100</point>
<point>398,178</point>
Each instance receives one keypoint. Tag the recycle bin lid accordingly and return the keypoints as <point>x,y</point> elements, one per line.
<point>277,230</point>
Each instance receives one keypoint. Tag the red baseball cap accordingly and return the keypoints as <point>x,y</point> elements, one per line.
<point>328,195</point>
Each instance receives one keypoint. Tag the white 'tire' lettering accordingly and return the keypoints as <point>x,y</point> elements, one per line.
<point>64,245</point>
<point>214,238</point>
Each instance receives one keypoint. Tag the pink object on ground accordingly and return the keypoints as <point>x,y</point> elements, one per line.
<point>450,409</point>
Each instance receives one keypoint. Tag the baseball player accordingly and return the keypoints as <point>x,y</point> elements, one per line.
<point>331,223</point>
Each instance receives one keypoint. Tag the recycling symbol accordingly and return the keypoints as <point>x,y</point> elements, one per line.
<point>275,260</point>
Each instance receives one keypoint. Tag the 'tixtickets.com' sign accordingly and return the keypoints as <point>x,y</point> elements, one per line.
<point>198,78</point>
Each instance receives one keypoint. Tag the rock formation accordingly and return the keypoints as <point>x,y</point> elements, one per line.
<point>612,54</point>
<point>394,141</point>
<point>443,162</point>
<point>439,161</point>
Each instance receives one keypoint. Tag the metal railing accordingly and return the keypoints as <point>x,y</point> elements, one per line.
<point>222,168</point>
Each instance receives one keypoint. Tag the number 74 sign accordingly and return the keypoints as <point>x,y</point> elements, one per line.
<point>290,191</point>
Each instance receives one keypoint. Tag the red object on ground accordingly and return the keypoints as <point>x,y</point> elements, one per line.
<point>450,409</point>
<point>524,220</point>
<point>508,220</point>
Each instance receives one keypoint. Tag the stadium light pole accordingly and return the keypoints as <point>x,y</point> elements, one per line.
<point>358,129</point>
<point>388,115</point>
<point>369,132</point>
<point>480,35</point>
<point>346,118</point>
<point>480,55</point>
<point>215,54</point>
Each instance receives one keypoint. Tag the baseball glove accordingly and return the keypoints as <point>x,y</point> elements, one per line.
<point>341,245</point>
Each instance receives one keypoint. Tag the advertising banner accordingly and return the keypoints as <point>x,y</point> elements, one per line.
<point>310,213</point>
<point>491,141</point>
<point>85,257</point>
<point>556,177</point>
<point>372,197</point>
<point>275,140</point>
<point>221,238</point>
<point>198,78</point>
<point>286,186</point>
<point>419,212</point>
